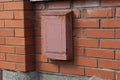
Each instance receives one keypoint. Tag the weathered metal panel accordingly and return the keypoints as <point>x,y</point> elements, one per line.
<point>57,35</point>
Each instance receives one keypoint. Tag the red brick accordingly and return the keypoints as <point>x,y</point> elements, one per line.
<point>78,51</point>
<point>23,33</point>
<point>5,65</point>
<point>6,33</point>
<point>2,56</point>
<point>100,53</point>
<point>7,49</point>
<point>38,24</point>
<point>25,67</point>
<point>19,41</point>
<point>100,13</point>
<point>110,64</point>
<point>77,13</point>
<point>25,50</point>
<point>20,50</point>
<point>38,14</point>
<point>86,3</point>
<point>101,73</point>
<point>28,5</point>
<point>29,32</point>
<point>14,6</point>
<point>85,62</point>
<point>86,23</point>
<point>97,33</point>
<point>118,75</point>
<point>18,23</point>
<point>71,70</point>
<point>28,58</point>
<point>58,5</point>
<point>19,15</point>
<point>110,23</point>
<point>118,12</point>
<point>110,3</point>
<point>2,41</point>
<point>38,32</point>
<point>9,15</point>
<point>15,58</point>
<point>86,43</point>
<point>19,58</point>
<point>110,43</point>
<point>14,24</point>
<point>38,49</point>
<point>5,0</point>
<point>117,54</point>
<point>29,24</point>
<point>47,67</point>
<point>1,23</point>
<point>20,32</point>
<point>29,41</point>
<point>117,33</point>
<point>24,15</point>
<point>15,41</point>
<point>41,58</point>
<point>29,14</point>
<point>1,6</point>
<point>38,41</point>
<point>79,33</point>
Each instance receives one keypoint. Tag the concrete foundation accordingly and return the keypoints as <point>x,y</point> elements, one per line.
<point>59,76</point>
<point>10,75</point>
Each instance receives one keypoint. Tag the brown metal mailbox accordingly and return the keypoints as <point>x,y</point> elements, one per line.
<point>57,34</point>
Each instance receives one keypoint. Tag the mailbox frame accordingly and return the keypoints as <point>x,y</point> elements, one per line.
<point>67,34</point>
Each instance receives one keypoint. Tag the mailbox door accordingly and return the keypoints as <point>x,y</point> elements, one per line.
<point>54,34</point>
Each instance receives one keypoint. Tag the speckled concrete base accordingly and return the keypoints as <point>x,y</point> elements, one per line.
<point>59,76</point>
<point>10,75</point>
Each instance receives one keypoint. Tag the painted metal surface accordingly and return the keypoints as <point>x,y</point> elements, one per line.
<point>57,35</point>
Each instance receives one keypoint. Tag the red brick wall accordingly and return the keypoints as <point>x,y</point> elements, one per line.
<point>96,41</point>
<point>16,35</point>
<point>96,31</point>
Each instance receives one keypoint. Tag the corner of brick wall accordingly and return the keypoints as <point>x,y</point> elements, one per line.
<point>17,35</point>
<point>96,31</point>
